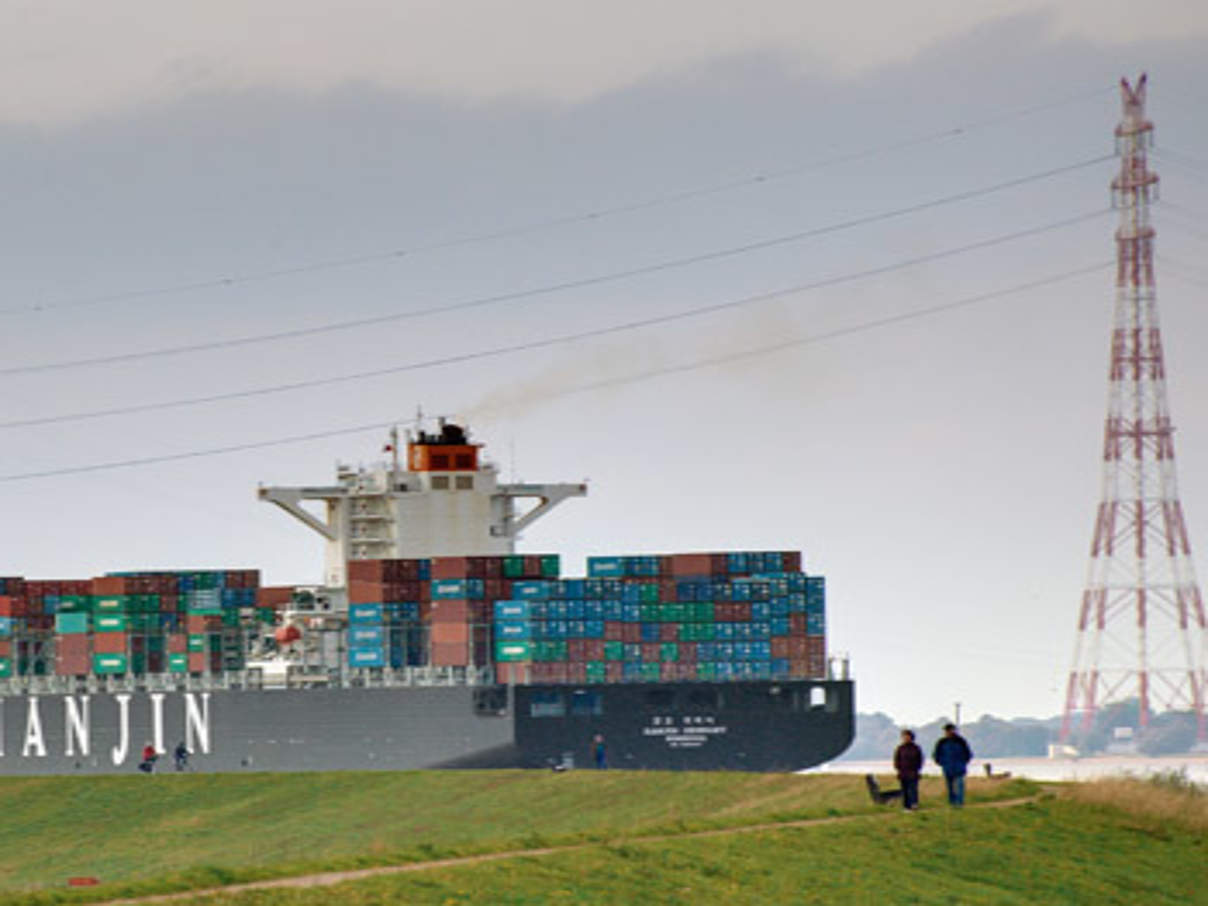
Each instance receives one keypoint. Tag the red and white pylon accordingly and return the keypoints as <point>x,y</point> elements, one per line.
<point>1141,627</point>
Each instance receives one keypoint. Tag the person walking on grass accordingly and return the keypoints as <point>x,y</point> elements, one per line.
<point>908,762</point>
<point>953,755</point>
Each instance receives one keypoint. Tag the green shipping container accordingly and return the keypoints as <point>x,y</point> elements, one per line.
<point>702,612</point>
<point>110,622</point>
<point>706,671</point>
<point>668,651</point>
<point>209,610</point>
<point>6,667</point>
<point>230,617</point>
<point>513,567</point>
<point>266,615</point>
<point>178,663</point>
<point>705,632</point>
<point>614,651</point>
<point>650,672</point>
<point>551,566</point>
<point>595,671</point>
<point>649,613</point>
<point>109,663</point>
<point>197,641</point>
<point>513,651</point>
<point>111,604</point>
<point>649,592</point>
<point>71,623</point>
<point>73,604</point>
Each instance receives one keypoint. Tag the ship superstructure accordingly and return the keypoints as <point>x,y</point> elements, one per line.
<point>442,499</point>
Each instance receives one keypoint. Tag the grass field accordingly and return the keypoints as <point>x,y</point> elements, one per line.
<point>1129,843</point>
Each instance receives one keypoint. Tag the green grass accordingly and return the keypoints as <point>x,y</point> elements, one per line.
<point>1052,851</point>
<point>144,834</point>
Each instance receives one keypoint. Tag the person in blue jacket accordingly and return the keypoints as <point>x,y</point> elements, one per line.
<point>953,755</point>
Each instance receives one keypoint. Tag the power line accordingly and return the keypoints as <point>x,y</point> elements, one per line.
<point>596,280</point>
<point>531,345</point>
<point>670,198</point>
<point>629,379</point>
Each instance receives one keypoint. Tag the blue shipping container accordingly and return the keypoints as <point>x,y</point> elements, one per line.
<point>365,636</point>
<point>365,613</point>
<point>366,657</point>
<point>605,567</point>
<point>513,630</point>
<point>512,610</point>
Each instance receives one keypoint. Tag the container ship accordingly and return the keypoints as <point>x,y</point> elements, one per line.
<point>430,643</point>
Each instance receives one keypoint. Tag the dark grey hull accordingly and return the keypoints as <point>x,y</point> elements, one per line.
<point>760,726</point>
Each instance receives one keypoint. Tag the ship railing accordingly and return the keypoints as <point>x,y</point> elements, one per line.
<point>386,677</point>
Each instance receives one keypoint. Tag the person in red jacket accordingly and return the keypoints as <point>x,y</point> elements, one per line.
<point>908,762</point>
<point>148,763</point>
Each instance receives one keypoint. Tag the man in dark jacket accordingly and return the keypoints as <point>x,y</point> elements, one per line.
<point>953,755</point>
<point>908,762</point>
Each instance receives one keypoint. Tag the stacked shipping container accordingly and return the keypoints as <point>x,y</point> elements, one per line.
<point>127,623</point>
<point>681,617</point>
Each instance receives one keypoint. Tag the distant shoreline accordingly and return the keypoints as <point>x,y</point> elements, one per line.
<point>1089,768</point>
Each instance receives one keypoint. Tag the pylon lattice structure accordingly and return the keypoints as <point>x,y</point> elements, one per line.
<point>1141,628</point>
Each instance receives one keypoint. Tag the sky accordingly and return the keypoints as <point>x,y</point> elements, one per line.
<point>921,416</point>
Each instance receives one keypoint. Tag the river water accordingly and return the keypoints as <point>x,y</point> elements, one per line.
<point>1194,766</point>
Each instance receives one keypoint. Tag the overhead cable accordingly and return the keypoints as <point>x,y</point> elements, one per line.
<point>554,222</point>
<point>579,283</point>
<point>531,345</point>
<point>706,362</point>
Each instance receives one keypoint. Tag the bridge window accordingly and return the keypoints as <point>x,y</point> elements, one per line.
<point>464,483</point>
<point>439,460</point>
<point>547,704</point>
<point>586,704</point>
<point>440,482</point>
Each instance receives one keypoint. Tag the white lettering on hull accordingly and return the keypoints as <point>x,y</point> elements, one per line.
<point>34,741</point>
<point>77,727</point>
<point>197,723</point>
<point>157,722</point>
<point>119,751</point>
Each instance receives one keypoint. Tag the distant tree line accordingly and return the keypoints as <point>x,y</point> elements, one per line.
<point>1167,733</point>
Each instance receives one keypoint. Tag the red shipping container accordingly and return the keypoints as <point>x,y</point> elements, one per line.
<point>664,565</point>
<point>576,672</point>
<point>73,665</point>
<point>667,590</point>
<point>8,606</point>
<point>683,565</point>
<point>276,596</point>
<point>614,631</point>
<point>687,652</point>
<point>631,633</point>
<point>450,633</point>
<point>444,654</point>
<point>791,561</point>
<point>593,650</point>
<point>197,662</point>
<point>367,571</point>
<point>650,652</point>
<point>558,673</point>
<point>497,589</point>
<point>6,647</point>
<point>667,672</point>
<point>177,643</point>
<point>43,623</point>
<point>109,643</point>
<point>668,632</point>
<point>361,592</point>
<point>815,644</point>
<point>492,567</point>
<point>816,664</point>
<point>576,650</point>
<point>797,647</point>
<point>512,673</point>
<point>614,672</point>
<point>451,567</point>
<point>451,611</point>
<point>796,624</point>
<point>199,622</point>
<point>780,647</point>
<point>111,585</point>
<point>406,570</point>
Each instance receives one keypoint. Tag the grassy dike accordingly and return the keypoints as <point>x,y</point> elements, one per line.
<point>141,834</point>
<point>1114,842</point>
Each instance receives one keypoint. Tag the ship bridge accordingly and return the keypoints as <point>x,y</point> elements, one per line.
<point>443,499</point>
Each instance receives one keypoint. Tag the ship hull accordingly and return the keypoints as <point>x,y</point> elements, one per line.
<point>753,726</point>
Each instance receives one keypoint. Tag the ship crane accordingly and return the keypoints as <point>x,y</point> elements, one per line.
<point>443,500</point>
